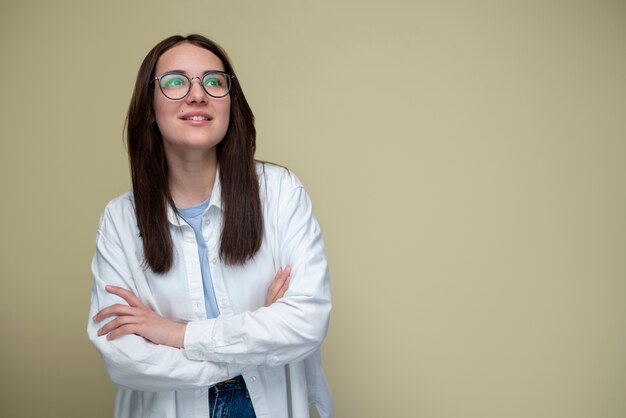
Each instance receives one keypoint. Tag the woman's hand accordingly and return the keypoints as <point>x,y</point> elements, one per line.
<point>138,319</point>
<point>279,285</point>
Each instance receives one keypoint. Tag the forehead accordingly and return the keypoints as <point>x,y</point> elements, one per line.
<point>189,58</point>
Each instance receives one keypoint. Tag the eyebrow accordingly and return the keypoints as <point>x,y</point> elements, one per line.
<point>186,73</point>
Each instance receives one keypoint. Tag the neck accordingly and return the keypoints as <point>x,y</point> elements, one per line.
<point>191,177</point>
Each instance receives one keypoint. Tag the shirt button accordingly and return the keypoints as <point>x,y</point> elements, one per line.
<point>214,261</point>
<point>253,379</point>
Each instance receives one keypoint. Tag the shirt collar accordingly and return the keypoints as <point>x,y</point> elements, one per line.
<point>216,200</point>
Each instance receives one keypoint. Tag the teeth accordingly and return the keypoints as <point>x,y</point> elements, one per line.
<point>197,118</point>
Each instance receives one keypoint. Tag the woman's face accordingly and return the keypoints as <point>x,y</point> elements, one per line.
<point>198,121</point>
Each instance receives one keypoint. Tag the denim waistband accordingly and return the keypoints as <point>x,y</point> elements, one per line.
<point>236,383</point>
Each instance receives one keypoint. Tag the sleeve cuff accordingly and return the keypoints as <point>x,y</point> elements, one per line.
<point>199,339</point>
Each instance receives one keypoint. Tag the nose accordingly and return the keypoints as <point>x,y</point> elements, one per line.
<point>196,92</point>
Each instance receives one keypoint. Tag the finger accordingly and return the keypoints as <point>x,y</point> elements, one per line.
<point>284,288</point>
<point>123,330</point>
<point>277,282</point>
<point>270,297</point>
<point>280,279</point>
<point>285,284</point>
<point>117,323</point>
<point>125,294</point>
<point>281,276</point>
<point>117,309</point>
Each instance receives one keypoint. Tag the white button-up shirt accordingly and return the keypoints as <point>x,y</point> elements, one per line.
<point>275,348</point>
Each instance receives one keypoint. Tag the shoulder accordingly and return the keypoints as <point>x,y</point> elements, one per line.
<point>119,212</point>
<point>282,192</point>
<point>120,205</point>
<point>274,176</point>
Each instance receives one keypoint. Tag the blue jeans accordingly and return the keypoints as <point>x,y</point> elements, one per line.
<point>230,399</point>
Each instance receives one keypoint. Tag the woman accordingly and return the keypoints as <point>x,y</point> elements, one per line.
<point>186,309</point>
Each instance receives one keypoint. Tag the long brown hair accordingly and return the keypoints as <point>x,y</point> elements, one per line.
<point>242,228</point>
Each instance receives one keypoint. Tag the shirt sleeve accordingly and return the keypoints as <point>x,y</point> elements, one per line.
<point>294,326</point>
<point>131,361</point>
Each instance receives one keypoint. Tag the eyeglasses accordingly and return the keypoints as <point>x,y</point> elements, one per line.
<point>176,86</point>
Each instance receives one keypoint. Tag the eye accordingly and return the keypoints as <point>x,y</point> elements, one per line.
<point>213,80</point>
<point>169,81</point>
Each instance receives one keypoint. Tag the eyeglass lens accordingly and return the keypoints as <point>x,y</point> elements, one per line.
<point>176,85</point>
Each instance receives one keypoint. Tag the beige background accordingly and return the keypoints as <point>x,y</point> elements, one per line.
<point>466,159</point>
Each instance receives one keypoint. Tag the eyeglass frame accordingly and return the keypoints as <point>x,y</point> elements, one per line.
<point>230,77</point>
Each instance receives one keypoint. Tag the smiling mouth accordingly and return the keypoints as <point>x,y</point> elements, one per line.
<point>196,118</point>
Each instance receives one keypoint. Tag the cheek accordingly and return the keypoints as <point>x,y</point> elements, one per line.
<point>157,108</point>
<point>161,111</point>
<point>225,111</point>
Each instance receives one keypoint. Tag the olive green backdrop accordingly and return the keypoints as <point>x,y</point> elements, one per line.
<point>466,160</point>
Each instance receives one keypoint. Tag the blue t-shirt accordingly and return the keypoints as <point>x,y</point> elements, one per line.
<point>193,216</point>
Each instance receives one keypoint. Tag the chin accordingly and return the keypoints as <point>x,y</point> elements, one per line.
<point>201,145</point>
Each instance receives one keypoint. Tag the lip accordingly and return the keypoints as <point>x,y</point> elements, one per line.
<point>204,118</point>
